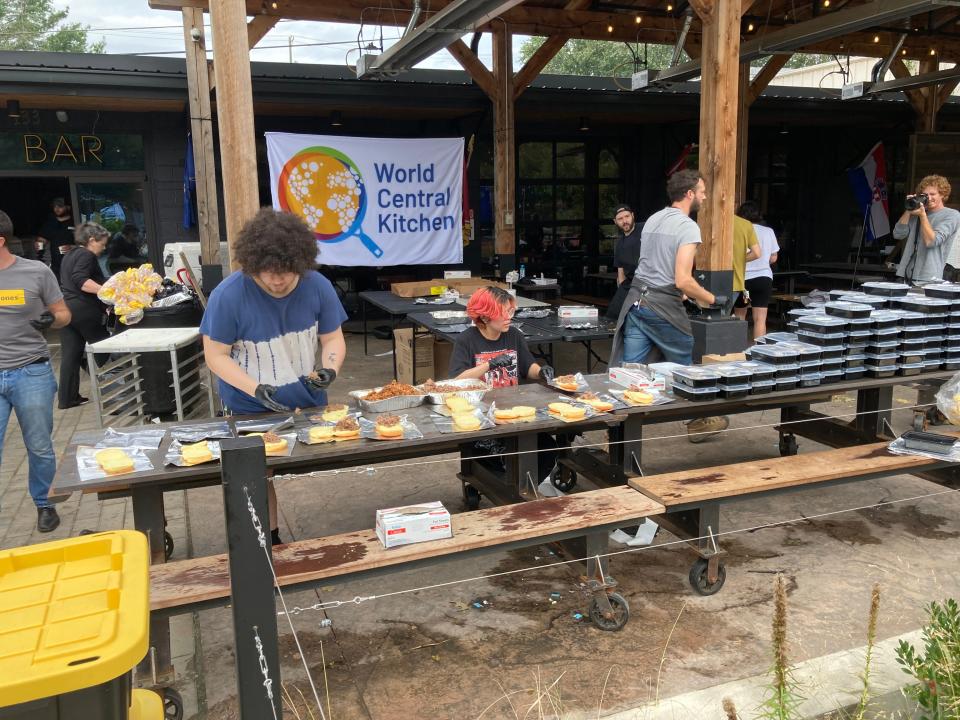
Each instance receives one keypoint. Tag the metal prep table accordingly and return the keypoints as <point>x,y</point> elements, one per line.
<point>117,386</point>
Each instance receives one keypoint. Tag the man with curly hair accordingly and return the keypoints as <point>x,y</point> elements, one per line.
<point>927,233</point>
<point>262,326</point>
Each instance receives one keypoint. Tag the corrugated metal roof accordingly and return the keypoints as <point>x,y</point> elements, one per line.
<point>173,69</point>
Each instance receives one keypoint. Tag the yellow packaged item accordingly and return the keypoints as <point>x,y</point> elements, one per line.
<point>114,461</point>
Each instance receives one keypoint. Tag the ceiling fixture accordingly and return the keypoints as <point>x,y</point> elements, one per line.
<point>13,108</point>
<point>336,119</point>
<point>458,18</point>
<point>584,124</point>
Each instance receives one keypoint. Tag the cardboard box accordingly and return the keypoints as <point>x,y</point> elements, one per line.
<point>413,523</point>
<point>433,356</point>
<point>419,288</point>
<point>637,375</point>
<point>716,359</point>
<point>577,314</point>
<point>468,285</point>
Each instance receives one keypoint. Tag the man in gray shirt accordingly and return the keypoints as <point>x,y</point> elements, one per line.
<point>30,302</point>
<point>928,232</point>
<point>653,315</point>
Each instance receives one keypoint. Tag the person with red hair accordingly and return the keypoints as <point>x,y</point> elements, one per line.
<point>492,350</point>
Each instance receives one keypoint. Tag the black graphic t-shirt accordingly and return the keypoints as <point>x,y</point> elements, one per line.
<point>472,349</point>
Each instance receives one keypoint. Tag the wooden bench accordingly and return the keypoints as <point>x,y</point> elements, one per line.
<point>188,585</point>
<point>693,497</point>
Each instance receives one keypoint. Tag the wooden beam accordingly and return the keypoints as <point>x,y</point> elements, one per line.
<point>743,131</point>
<point>258,27</point>
<point>769,71</point>
<point>537,62</point>
<point>201,130</point>
<point>704,9</point>
<point>235,117</point>
<point>946,90</point>
<point>588,24</point>
<point>475,69</point>
<point>504,146</point>
<point>900,70</point>
<point>930,96</point>
<point>719,104</point>
<point>544,54</point>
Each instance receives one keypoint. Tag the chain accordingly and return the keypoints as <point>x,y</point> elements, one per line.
<point>257,525</point>
<point>267,682</point>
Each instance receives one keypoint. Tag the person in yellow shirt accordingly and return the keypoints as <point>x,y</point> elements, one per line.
<point>746,247</point>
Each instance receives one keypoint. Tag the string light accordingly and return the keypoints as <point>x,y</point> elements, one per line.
<point>609,28</point>
<point>876,38</point>
<point>638,20</point>
<point>826,3</point>
<point>750,27</point>
<point>933,51</point>
<point>903,52</point>
<point>669,7</point>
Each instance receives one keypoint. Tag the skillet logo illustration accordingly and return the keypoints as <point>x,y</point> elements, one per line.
<point>325,188</point>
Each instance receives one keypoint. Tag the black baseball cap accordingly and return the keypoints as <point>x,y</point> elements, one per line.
<point>622,208</point>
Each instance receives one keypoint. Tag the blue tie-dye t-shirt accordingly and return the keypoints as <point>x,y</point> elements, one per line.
<point>274,340</point>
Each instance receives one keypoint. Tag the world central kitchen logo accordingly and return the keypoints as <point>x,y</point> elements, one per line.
<point>326,188</point>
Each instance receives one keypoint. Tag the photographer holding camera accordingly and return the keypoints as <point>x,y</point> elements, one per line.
<point>928,227</point>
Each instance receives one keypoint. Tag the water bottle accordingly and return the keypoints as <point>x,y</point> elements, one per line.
<point>523,271</point>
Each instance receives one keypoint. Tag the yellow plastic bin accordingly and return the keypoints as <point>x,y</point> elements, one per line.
<point>74,622</point>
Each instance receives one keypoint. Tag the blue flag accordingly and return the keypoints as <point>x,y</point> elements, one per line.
<point>189,186</point>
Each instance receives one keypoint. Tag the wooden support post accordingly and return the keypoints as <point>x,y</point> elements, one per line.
<point>900,70</point>
<point>201,130</point>
<point>928,121</point>
<point>235,113</point>
<point>719,105</point>
<point>504,184</point>
<point>743,132</point>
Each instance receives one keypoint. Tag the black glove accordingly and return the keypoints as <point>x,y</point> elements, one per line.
<point>546,373</point>
<point>264,394</point>
<point>502,360</point>
<point>43,322</point>
<point>321,378</point>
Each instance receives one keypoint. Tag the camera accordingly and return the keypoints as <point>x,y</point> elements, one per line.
<point>914,203</point>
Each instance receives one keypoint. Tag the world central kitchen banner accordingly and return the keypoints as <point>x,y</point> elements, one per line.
<point>373,201</point>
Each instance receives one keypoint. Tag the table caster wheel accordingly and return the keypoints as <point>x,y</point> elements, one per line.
<point>699,581</point>
<point>172,705</point>
<point>167,545</point>
<point>471,496</point>
<point>563,479</point>
<point>788,445</point>
<point>617,619</point>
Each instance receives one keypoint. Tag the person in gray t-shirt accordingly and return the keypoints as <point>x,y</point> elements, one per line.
<point>653,315</point>
<point>30,302</point>
<point>928,231</point>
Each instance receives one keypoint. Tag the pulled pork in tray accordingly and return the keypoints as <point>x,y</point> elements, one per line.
<point>390,390</point>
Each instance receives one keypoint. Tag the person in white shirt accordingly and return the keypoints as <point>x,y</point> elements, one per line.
<point>759,273</point>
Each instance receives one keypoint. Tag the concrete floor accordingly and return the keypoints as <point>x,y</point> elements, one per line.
<point>429,653</point>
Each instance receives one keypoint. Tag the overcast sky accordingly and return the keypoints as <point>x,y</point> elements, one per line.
<point>162,33</point>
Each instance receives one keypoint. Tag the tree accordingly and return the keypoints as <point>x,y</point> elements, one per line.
<point>599,57</point>
<point>38,25</point>
<point>607,58</point>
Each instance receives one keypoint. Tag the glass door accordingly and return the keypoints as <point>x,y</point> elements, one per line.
<point>119,206</point>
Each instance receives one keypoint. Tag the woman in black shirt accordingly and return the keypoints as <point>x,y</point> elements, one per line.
<point>81,278</point>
